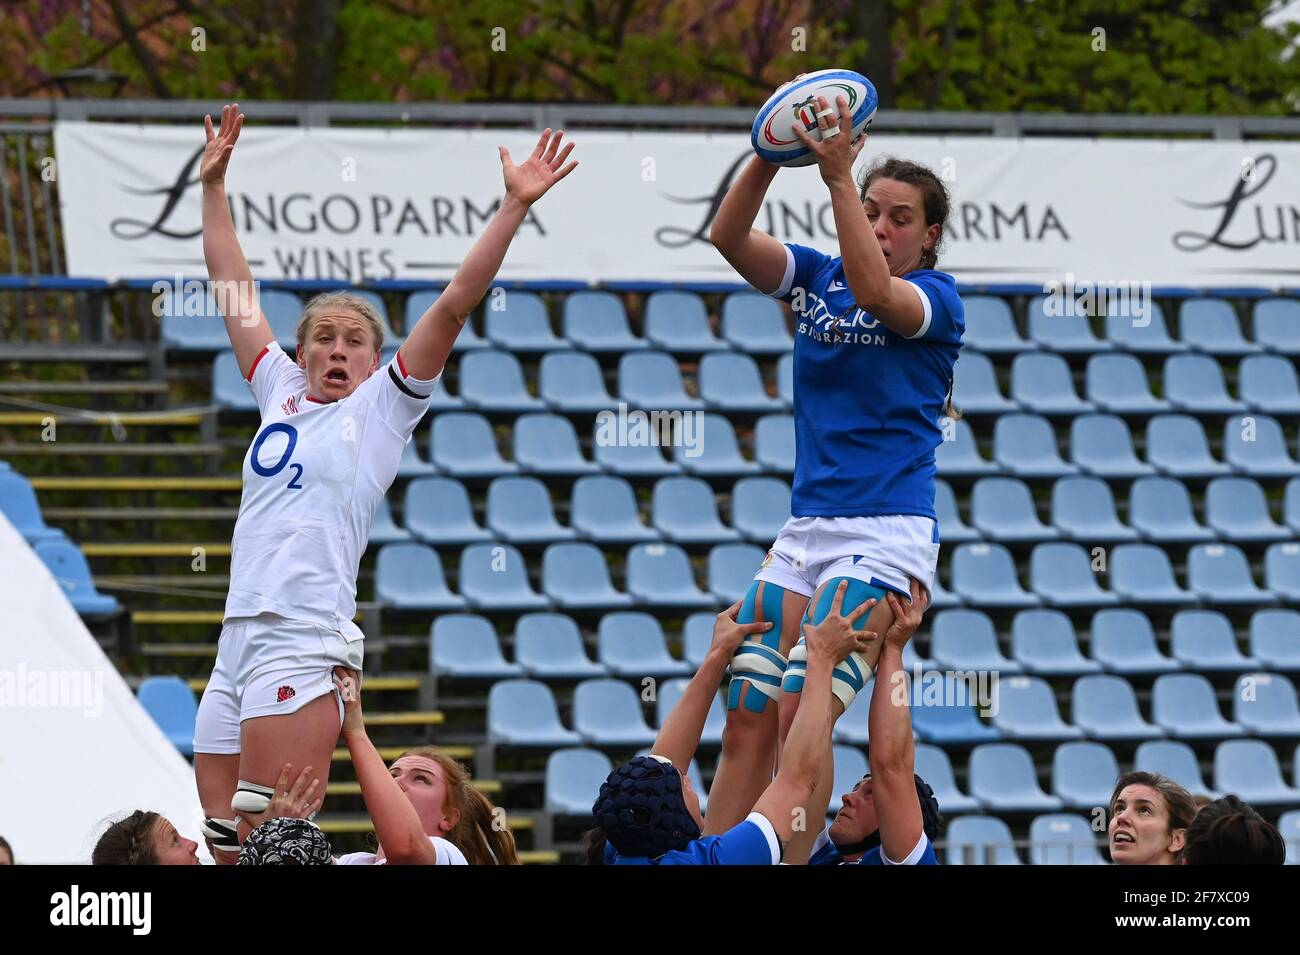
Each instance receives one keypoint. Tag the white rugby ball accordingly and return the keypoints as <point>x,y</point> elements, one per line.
<point>796,102</point>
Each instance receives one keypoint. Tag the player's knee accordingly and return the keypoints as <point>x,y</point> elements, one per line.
<point>758,665</point>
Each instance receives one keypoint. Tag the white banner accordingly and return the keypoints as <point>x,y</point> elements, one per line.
<point>364,205</point>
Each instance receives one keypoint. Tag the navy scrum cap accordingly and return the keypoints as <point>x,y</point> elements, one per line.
<point>642,809</point>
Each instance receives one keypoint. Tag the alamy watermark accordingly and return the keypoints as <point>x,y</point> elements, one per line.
<point>197,298</point>
<point>1072,298</point>
<point>659,429</point>
<point>977,688</point>
<point>55,689</point>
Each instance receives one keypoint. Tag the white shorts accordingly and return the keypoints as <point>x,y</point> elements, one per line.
<point>880,551</point>
<point>268,665</point>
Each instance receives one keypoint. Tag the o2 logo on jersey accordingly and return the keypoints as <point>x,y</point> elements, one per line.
<point>292,434</point>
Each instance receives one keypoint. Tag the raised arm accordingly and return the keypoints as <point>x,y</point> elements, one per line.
<point>893,757</point>
<point>427,346</point>
<point>758,257</point>
<point>247,327</point>
<point>397,824</point>
<point>828,643</point>
<point>679,737</point>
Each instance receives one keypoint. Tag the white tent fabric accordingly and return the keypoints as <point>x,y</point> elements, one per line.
<point>76,749</point>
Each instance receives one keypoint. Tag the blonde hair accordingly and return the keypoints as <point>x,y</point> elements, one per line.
<point>476,833</point>
<point>332,301</point>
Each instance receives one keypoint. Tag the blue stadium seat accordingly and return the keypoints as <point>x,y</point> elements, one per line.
<point>604,509</point>
<point>1083,774</point>
<point>517,322</point>
<point>1265,704</point>
<point>731,383</point>
<point>376,300</point>
<point>1083,509</point>
<point>1210,325</point>
<point>1220,573</point>
<point>1277,325</point>
<point>1291,504</point>
<point>659,575</point>
<point>760,506</point>
<point>1139,328</point>
<point>980,840</point>
<point>1063,839</point>
<point>697,637</point>
<point>1289,825</point>
<point>548,645</point>
<point>1044,642</point>
<point>1105,707</point>
<point>1249,768</point>
<point>670,691</point>
<point>1255,445</point>
<point>1101,445</point>
<point>465,645</point>
<point>990,326</point>
<point>523,713</point>
<point>774,443</point>
<point>850,765</point>
<point>1273,639</point>
<point>853,726</point>
<point>494,381</point>
<point>959,457</point>
<point>19,504</point>
<point>1185,706</point>
<point>984,575</point>
<point>933,765</point>
<point>597,322</point>
<point>942,598</point>
<point>628,457</point>
<point>171,703</point>
<point>678,322</point>
<point>1175,759</point>
<point>1282,570</point>
<point>712,449</point>
<point>384,529</point>
<point>572,381</point>
<point>683,509</point>
<point>1237,509</point>
<point>944,712</point>
<point>573,776</point>
<point>1203,640</point>
<point>519,510</point>
<point>576,577</point>
<point>438,511</point>
<point>1002,777</point>
<point>494,577</point>
<point>1118,384</point>
<point>608,712</point>
<point>1042,382</point>
<point>1194,383</point>
<point>1268,383</point>
<point>462,445</point>
<point>409,576</point>
<point>1141,574</point>
<point>755,324</point>
<point>229,390</point>
<point>1027,710</point>
<point>652,380</point>
<point>283,311</point>
<point>966,640</point>
<point>192,322</point>
<point>1123,641</point>
<point>1025,445</point>
<point>419,302</point>
<point>68,565</point>
<point>412,465</point>
<point>731,569</point>
<point>1062,576</point>
<point>785,379</point>
<point>952,529</point>
<point>1003,510</point>
<point>547,444</point>
<point>1067,334</point>
<point>1161,510</point>
<point>975,387</point>
<point>631,644</point>
<point>1177,445</point>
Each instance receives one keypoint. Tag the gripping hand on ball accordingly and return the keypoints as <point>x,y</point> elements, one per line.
<point>835,152</point>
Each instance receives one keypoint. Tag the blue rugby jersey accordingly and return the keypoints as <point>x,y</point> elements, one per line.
<point>867,401</point>
<point>752,842</point>
<point>825,853</point>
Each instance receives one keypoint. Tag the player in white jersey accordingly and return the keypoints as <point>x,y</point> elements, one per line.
<point>331,436</point>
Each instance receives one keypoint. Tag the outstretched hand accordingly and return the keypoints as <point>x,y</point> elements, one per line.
<point>835,152</point>
<point>532,179</point>
<point>216,154</point>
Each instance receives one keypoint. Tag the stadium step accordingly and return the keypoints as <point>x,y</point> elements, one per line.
<point>89,484</point>
<point>389,753</point>
<point>162,617</point>
<point>179,649</point>
<point>489,787</point>
<point>74,416</point>
<point>406,718</point>
<point>119,354</point>
<point>83,387</point>
<point>358,822</point>
<point>116,449</point>
<point>141,513</point>
<point>153,549</point>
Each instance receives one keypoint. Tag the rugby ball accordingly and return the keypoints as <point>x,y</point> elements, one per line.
<point>796,102</point>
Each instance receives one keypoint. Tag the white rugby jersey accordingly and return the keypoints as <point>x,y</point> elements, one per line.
<point>313,477</point>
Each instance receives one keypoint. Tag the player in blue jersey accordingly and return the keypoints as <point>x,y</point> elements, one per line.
<point>877,333</point>
<point>647,811</point>
<point>891,816</point>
